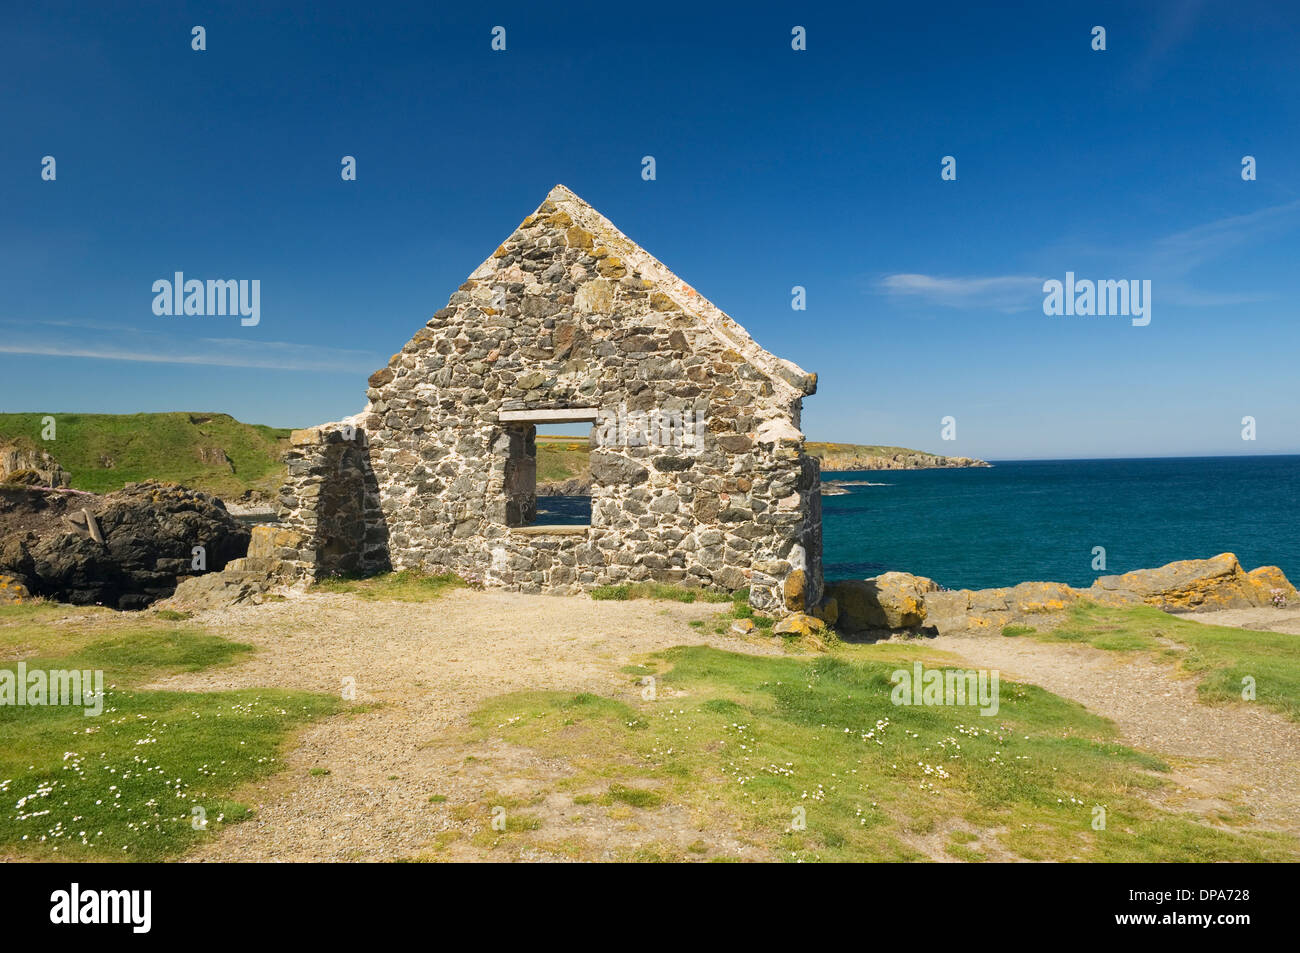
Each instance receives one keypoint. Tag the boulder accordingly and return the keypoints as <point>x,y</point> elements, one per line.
<point>1193,585</point>
<point>742,627</point>
<point>800,624</point>
<point>828,610</point>
<point>1269,579</point>
<point>217,590</point>
<point>948,610</point>
<point>123,550</point>
<point>12,590</point>
<point>892,600</point>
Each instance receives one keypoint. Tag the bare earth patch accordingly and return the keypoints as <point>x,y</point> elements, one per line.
<point>425,666</point>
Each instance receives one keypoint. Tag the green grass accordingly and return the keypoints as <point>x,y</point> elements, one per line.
<point>1011,631</point>
<point>657,590</point>
<point>1223,657</point>
<point>124,785</point>
<point>743,744</point>
<point>409,585</point>
<point>635,797</point>
<point>104,452</point>
<point>562,458</point>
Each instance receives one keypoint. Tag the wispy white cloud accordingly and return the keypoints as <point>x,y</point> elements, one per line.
<point>106,342</point>
<point>1184,251</point>
<point>1168,261</point>
<point>1000,292</point>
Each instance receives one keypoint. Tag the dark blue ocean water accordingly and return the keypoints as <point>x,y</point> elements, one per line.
<point>1040,520</point>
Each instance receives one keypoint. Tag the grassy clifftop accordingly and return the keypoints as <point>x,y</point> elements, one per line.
<point>211,452</point>
<point>853,456</point>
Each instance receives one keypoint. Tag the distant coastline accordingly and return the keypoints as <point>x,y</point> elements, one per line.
<point>856,457</point>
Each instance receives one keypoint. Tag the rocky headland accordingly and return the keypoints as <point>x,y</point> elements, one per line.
<point>848,457</point>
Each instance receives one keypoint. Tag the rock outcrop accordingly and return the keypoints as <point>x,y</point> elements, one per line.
<point>899,460</point>
<point>574,486</point>
<point>898,601</point>
<point>124,550</point>
<point>269,563</point>
<point>31,466</point>
<point>1193,585</point>
<point>980,610</point>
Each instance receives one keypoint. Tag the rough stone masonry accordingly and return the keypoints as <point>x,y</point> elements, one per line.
<point>568,320</point>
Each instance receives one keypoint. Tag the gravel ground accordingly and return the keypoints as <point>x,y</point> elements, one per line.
<point>429,665</point>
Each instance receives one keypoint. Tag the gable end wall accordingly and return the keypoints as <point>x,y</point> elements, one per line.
<point>558,318</point>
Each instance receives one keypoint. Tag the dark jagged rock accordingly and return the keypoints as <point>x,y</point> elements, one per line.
<point>574,486</point>
<point>124,550</point>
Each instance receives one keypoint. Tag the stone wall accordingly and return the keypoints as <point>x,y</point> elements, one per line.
<point>331,498</point>
<point>568,313</point>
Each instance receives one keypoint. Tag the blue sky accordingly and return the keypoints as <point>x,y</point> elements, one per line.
<point>775,168</point>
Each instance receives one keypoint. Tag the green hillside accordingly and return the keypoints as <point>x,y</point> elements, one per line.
<point>561,458</point>
<point>211,452</point>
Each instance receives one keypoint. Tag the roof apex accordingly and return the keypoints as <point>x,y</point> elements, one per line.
<point>785,373</point>
<point>562,193</point>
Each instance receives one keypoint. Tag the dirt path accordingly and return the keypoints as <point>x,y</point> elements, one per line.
<point>1265,619</point>
<point>1223,756</point>
<point>429,664</point>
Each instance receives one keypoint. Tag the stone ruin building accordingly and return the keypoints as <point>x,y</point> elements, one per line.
<point>698,470</point>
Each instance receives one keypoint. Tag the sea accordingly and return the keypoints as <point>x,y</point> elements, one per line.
<point>1062,520</point>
